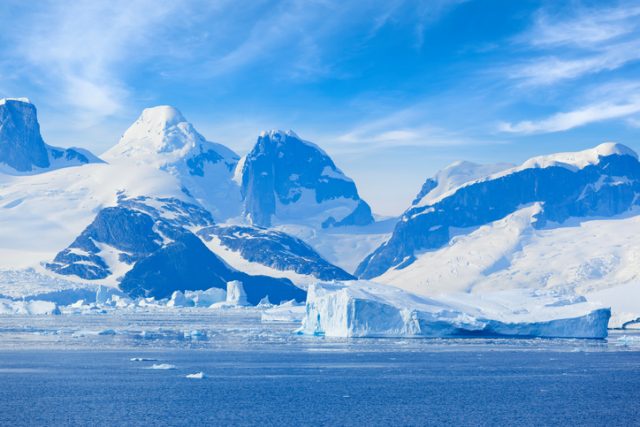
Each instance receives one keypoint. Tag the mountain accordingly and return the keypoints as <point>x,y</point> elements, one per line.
<point>116,223</point>
<point>288,180</point>
<point>273,249</point>
<point>145,246</point>
<point>565,221</point>
<point>22,149</point>
<point>161,138</point>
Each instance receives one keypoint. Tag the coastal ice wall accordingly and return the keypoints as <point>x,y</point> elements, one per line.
<point>367,309</point>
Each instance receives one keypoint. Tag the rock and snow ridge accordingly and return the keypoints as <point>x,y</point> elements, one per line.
<point>604,181</point>
<point>145,246</point>
<point>366,309</point>
<point>161,138</point>
<point>286,179</point>
<point>22,149</point>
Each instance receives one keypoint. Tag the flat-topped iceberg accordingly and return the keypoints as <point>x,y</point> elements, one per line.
<point>367,309</point>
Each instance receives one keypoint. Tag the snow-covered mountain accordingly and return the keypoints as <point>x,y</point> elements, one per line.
<point>161,138</point>
<point>116,223</point>
<point>565,222</point>
<point>22,149</point>
<point>272,248</point>
<point>288,180</point>
<point>146,246</point>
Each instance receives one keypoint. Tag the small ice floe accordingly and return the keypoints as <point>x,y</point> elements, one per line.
<point>289,311</point>
<point>163,366</point>
<point>107,332</point>
<point>142,359</point>
<point>196,376</point>
<point>627,341</point>
<point>195,335</point>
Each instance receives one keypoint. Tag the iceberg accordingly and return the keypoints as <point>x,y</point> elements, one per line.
<point>34,307</point>
<point>367,309</point>
<point>236,294</point>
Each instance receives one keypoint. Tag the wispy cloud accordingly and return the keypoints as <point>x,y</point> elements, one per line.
<point>572,119</point>
<point>407,127</point>
<point>579,42</point>
<point>75,52</point>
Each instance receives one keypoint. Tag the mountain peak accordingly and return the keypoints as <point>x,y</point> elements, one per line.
<point>163,115</point>
<point>160,134</point>
<point>290,179</point>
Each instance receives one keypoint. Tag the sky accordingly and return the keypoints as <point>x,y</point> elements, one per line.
<point>393,90</point>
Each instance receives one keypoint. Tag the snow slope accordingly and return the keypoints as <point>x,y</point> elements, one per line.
<point>603,181</point>
<point>594,257</point>
<point>161,138</point>
<point>454,176</point>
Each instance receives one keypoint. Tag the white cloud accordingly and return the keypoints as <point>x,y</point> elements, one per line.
<point>572,119</point>
<point>582,42</point>
<point>75,53</point>
<point>549,70</point>
<point>403,128</point>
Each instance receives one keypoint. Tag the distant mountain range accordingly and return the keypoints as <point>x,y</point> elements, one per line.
<point>165,210</point>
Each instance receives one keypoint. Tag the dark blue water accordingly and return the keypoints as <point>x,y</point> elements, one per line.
<point>295,386</point>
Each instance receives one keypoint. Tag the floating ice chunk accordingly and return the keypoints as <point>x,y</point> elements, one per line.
<point>107,332</point>
<point>162,366</point>
<point>196,376</point>
<point>119,301</point>
<point>236,294</point>
<point>206,298</point>
<point>367,309</point>
<point>34,307</point>
<point>178,299</point>
<point>195,335</point>
<point>286,312</point>
<point>143,359</point>
<point>264,302</point>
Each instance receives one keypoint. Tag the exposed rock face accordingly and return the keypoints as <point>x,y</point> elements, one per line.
<point>287,179</point>
<point>275,249</point>
<point>146,243</point>
<point>22,149</point>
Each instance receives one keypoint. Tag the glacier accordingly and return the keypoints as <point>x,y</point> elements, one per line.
<point>367,309</point>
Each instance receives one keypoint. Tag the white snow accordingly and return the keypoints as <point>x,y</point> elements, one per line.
<point>235,260</point>
<point>596,258</point>
<point>289,311</point>
<point>461,174</point>
<point>345,247</point>
<point>579,159</point>
<point>33,307</point>
<point>457,174</point>
<point>367,309</point>
<point>162,139</point>
<point>4,100</point>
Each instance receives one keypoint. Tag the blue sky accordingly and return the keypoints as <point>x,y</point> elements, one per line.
<point>393,90</point>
